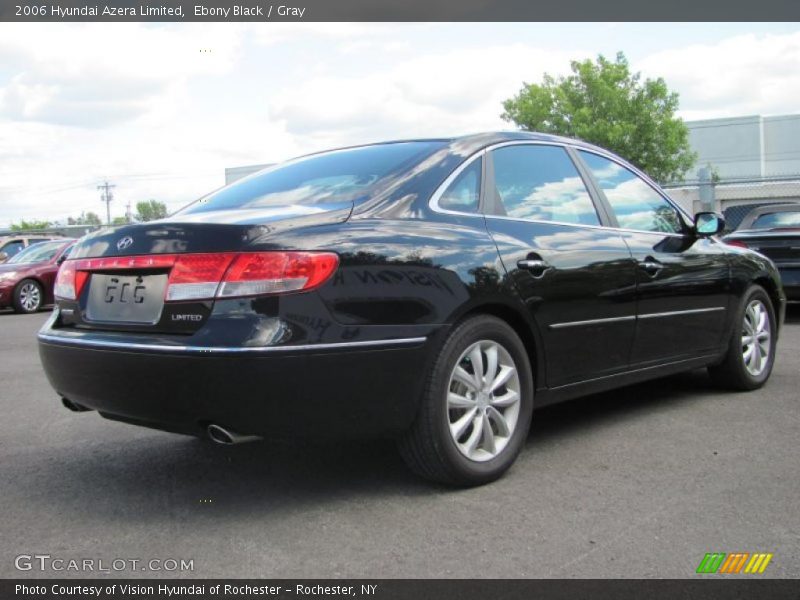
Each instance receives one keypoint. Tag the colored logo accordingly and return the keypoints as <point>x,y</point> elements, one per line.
<point>737,562</point>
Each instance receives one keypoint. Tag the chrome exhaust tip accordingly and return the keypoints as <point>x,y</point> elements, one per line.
<point>74,406</point>
<point>226,437</point>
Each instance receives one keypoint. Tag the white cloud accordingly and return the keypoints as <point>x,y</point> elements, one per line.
<point>142,105</point>
<point>450,92</point>
<point>742,75</point>
<point>92,76</point>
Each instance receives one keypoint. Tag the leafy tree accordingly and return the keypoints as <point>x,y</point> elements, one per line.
<point>34,225</point>
<point>150,210</point>
<point>91,218</point>
<point>119,221</point>
<point>602,102</point>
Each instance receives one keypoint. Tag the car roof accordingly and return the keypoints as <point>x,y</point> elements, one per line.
<point>468,144</point>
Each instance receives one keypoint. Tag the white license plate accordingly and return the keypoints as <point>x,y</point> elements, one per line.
<point>126,298</point>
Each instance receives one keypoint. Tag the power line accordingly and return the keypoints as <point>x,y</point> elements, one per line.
<point>107,197</point>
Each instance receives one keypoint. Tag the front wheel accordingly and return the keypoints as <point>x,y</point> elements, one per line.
<point>476,408</point>
<point>28,296</point>
<point>751,352</point>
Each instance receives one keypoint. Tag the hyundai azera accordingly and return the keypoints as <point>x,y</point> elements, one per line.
<point>435,291</point>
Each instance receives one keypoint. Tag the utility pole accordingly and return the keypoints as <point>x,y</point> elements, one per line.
<point>128,215</point>
<point>107,197</point>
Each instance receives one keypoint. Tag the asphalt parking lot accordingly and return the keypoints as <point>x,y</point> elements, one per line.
<point>640,482</point>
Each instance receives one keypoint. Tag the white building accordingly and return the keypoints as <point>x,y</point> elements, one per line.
<point>748,147</point>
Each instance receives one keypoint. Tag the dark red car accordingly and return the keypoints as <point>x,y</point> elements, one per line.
<point>27,279</point>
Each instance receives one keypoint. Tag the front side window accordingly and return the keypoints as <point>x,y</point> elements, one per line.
<point>39,252</point>
<point>67,251</point>
<point>541,183</point>
<point>635,204</point>
<point>464,192</point>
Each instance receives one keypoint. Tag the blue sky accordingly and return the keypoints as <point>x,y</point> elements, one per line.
<point>161,109</point>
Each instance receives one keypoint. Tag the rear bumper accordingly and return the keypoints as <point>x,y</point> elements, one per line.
<point>323,391</point>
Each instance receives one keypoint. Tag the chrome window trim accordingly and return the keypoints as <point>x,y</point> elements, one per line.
<point>673,313</point>
<point>216,350</point>
<point>644,177</point>
<point>437,194</point>
<point>603,227</point>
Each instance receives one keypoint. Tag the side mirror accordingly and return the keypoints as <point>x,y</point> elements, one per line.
<point>61,259</point>
<point>708,223</point>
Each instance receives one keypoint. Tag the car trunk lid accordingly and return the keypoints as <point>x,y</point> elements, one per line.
<point>165,276</point>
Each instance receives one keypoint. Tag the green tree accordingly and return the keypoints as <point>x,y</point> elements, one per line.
<point>602,102</point>
<point>119,221</point>
<point>150,210</point>
<point>34,225</point>
<point>91,218</point>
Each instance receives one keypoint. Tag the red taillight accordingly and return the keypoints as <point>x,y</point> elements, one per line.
<point>208,276</point>
<point>737,243</point>
<point>259,273</point>
<point>67,285</point>
<point>197,276</point>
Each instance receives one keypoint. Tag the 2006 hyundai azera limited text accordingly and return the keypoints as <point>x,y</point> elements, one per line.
<point>433,290</point>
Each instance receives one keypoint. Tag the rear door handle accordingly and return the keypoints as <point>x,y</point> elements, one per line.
<point>651,266</point>
<point>536,266</point>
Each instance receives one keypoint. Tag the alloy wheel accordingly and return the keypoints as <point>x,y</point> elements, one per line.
<point>483,400</point>
<point>756,338</point>
<point>30,297</point>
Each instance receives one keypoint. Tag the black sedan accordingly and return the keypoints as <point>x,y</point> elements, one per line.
<point>431,290</point>
<point>774,231</point>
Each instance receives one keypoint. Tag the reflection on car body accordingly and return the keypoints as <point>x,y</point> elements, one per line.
<point>430,290</point>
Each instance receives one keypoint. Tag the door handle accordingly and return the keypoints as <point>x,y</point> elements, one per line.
<point>651,266</point>
<point>536,266</point>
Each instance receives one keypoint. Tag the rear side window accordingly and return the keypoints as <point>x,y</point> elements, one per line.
<point>464,192</point>
<point>636,205</point>
<point>541,183</point>
<point>319,181</point>
<point>777,220</point>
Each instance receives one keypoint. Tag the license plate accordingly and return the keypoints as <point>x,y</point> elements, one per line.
<point>126,298</point>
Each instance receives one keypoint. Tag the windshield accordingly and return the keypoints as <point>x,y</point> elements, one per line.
<point>777,220</point>
<point>41,252</point>
<point>320,180</point>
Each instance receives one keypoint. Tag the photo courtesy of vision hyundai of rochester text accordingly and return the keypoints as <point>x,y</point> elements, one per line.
<point>434,291</point>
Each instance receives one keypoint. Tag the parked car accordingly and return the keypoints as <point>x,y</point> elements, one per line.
<point>11,245</point>
<point>431,290</point>
<point>774,231</point>
<point>26,281</point>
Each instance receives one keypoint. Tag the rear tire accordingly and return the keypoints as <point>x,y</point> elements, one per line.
<point>476,408</point>
<point>751,351</point>
<point>28,296</point>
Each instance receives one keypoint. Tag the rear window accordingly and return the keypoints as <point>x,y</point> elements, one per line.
<point>777,220</point>
<point>320,180</point>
